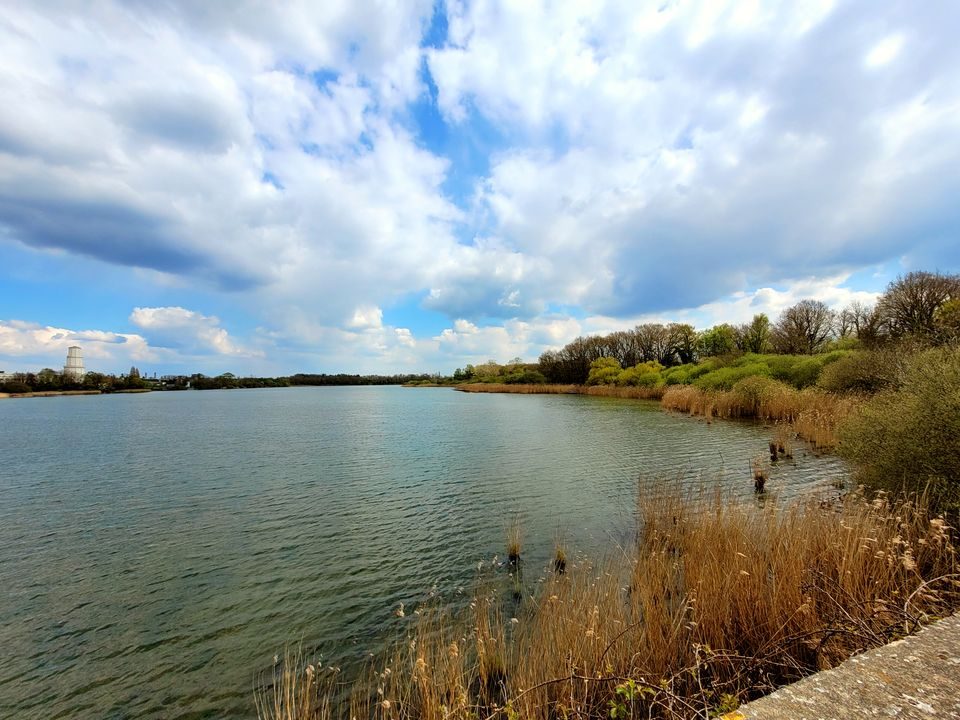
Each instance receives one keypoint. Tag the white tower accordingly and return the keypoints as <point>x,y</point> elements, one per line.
<point>74,368</point>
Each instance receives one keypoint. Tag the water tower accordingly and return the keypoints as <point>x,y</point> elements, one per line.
<point>74,368</point>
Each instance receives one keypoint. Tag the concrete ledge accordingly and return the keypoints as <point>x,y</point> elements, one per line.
<point>917,677</point>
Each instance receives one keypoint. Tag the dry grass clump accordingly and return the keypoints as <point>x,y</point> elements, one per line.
<point>628,393</point>
<point>813,414</point>
<point>717,603</point>
<point>514,538</point>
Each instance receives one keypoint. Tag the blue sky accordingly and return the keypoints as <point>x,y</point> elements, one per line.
<point>380,187</point>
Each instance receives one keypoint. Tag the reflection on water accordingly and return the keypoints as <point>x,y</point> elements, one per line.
<point>157,550</point>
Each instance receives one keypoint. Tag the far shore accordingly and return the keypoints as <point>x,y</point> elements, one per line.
<point>51,393</point>
<point>57,393</point>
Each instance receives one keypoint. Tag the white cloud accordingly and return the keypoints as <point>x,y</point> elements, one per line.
<point>884,51</point>
<point>27,346</point>
<point>366,317</point>
<point>621,159</point>
<point>187,331</point>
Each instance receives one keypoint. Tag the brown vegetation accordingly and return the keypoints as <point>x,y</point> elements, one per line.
<point>814,414</point>
<point>629,393</point>
<point>717,603</point>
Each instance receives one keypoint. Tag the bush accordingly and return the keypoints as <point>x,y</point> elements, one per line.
<point>603,371</point>
<point>908,438</point>
<point>646,374</point>
<point>15,386</point>
<point>726,377</point>
<point>867,371</point>
<point>527,377</point>
<point>751,392</point>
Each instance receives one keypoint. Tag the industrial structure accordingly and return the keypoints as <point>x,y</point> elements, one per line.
<point>74,368</point>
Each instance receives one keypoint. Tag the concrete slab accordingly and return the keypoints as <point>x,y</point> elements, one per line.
<point>914,678</point>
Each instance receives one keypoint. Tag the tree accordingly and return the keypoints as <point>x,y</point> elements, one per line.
<point>909,305</point>
<point>718,340</point>
<point>948,321</point>
<point>683,342</point>
<point>863,322</point>
<point>803,328</point>
<point>755,337</point>
<point>654,342</point>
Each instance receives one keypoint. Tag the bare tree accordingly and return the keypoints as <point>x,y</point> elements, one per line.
<point>863,322</point>
<point>910,304</point>
<point>803,328</point>
<point>654,342</point>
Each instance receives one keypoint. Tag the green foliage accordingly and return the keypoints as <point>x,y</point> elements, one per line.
<point>686,374</point>
<point>624,697</point>
<point>525,376</point>
<point>725,378</point>
<point>603,371</point>
<point>646,374</point>
<point>728,703</point>
<point>718,340</point>
<point>865,371</point>
<point>947,321</point>
<point>908,437</point>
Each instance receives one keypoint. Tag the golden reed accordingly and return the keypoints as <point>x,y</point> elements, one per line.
<point>717,602</point>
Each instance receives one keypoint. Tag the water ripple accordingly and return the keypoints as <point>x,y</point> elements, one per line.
<point>157,550</point>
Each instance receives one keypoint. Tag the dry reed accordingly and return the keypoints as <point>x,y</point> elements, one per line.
<point>717,603</point>
<point>812,414</point>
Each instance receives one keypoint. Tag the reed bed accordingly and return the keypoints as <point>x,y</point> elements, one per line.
<point>814,415</point>
<point>627,393</point>
<point>716,603</point>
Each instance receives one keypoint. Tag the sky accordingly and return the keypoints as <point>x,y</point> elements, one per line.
<point>352,186</point>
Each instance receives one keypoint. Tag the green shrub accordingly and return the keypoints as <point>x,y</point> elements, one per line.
<point>683,374</point>
<point>726,377</point>
<point>603,371</point>
<point>866,371</point>
<point>908,438</point>
<point>646,374</point>
<point>526,377</point>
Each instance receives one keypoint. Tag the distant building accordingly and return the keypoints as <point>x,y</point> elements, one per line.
<point>6,376</point>
<point>74,368</point>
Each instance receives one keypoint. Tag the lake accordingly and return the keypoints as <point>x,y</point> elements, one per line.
<point>157,550</point>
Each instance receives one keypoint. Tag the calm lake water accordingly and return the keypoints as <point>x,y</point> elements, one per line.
<point>157,551</point>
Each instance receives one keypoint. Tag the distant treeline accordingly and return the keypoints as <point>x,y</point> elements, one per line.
<point>49,380</point>
<point>345,379</point>
<point>921,307</point>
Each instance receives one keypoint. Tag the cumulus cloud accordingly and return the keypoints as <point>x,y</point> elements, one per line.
<point>704,143</point>
<point>187,331</point>
<point>29,346</point>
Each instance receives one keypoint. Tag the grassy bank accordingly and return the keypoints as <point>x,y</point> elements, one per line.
<point>716,603</point>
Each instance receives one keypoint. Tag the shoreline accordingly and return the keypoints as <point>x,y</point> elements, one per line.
<point>814,415</point>
<point>52,393</point>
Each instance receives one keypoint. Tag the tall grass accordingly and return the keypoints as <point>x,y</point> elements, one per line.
<point>814,414</point>
<point>717,602</point>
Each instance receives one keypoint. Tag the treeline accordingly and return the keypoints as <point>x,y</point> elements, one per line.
<point>49,380</point>
<point>921,306</point>
<point>346,379</point>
